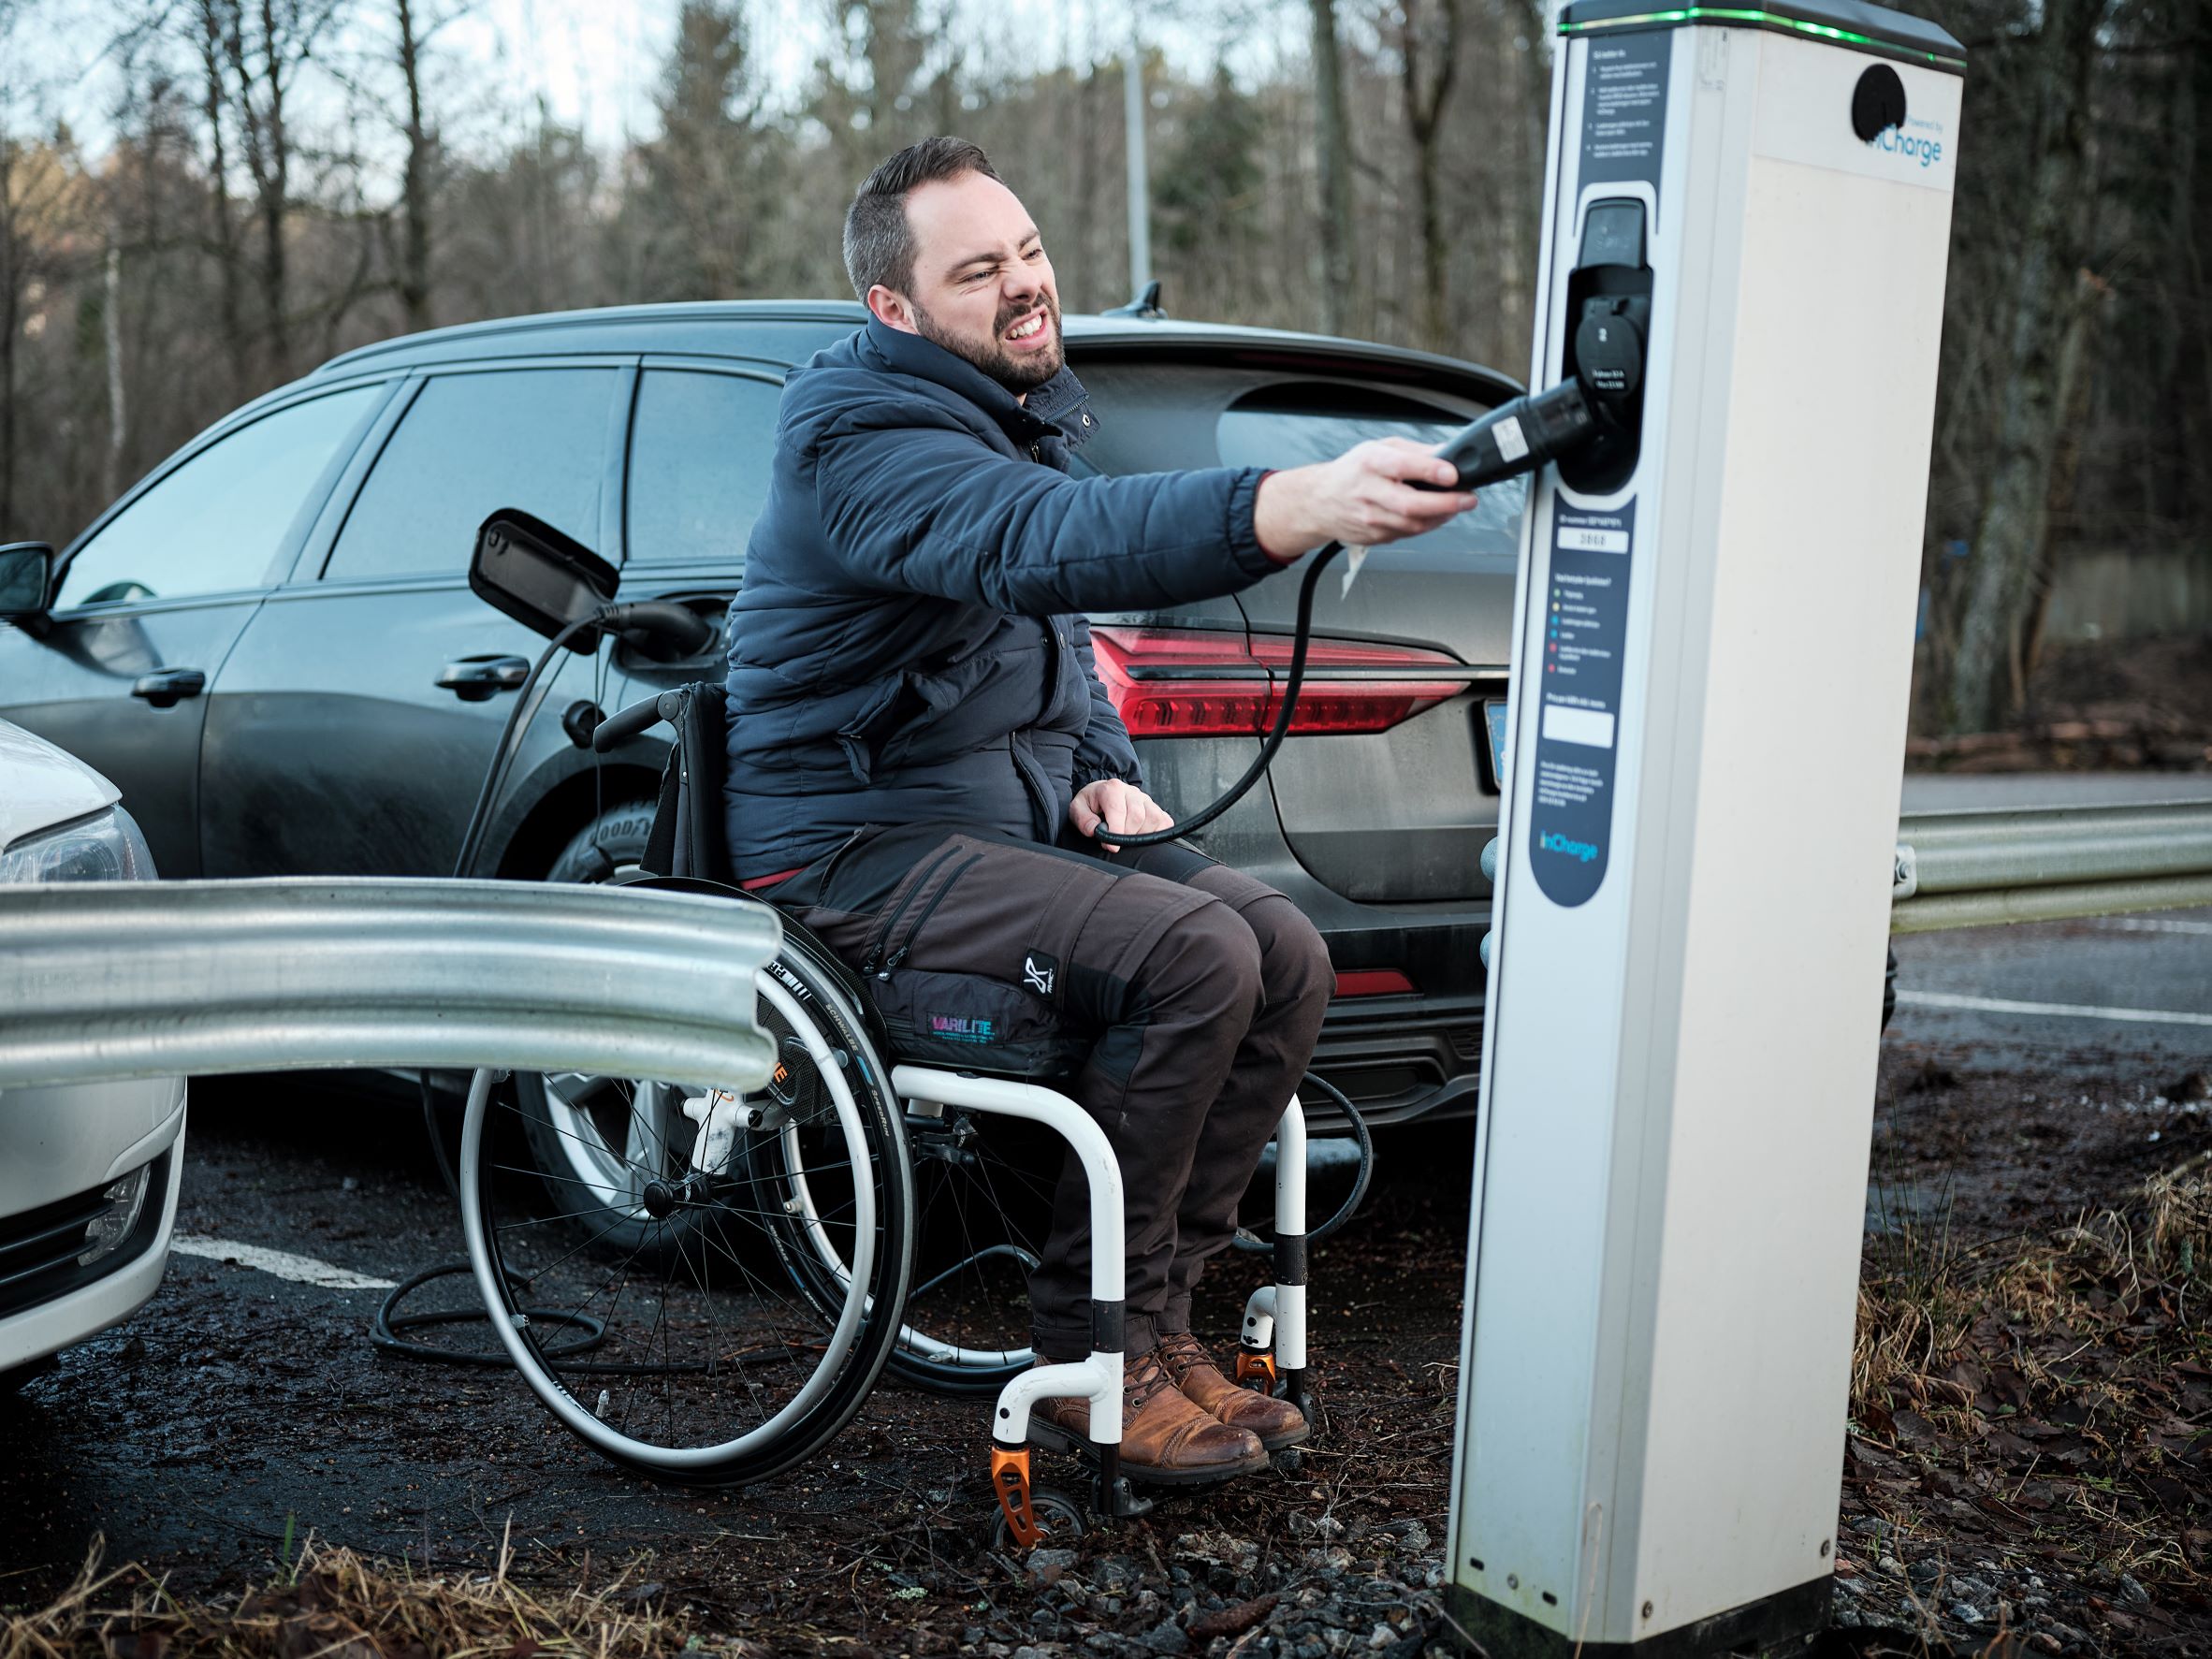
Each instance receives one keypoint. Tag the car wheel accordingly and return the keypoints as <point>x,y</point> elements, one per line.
<point>608,847</point>
<point>596,1143</point>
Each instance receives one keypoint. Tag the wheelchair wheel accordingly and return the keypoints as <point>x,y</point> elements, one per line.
<point>710,1367</point>
<point>983,1202</point>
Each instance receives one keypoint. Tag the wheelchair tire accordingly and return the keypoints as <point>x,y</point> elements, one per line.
<point>982,1200</point>
<point>711,1369</point>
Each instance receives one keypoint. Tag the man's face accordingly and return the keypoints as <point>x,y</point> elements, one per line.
<point>982,287</point>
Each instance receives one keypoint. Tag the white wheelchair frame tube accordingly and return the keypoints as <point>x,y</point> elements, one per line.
<point>1276,1313</point>
<point>1097,1378</point>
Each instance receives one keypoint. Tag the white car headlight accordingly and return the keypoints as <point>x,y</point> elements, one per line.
<point>105,847</point>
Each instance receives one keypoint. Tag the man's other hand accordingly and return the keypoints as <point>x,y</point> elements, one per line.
<point>1114,805</point>
<point>1364,497</point>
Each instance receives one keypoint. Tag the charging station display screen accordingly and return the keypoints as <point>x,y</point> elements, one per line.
<point>1585,612</point>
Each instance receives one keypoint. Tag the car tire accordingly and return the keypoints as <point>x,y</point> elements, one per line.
<point>608,848</point>
<point>567,1119</point>
<point>1889,989</point>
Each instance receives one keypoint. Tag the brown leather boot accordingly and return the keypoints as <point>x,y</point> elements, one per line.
<point>1276,1423</point>
<point>1165,1439</point>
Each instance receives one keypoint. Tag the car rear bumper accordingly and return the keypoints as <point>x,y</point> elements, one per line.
<point>1399,1056</point>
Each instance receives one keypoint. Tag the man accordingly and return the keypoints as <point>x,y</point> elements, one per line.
<point>918,743</point>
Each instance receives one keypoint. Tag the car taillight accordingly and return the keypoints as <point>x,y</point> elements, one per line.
<point>1185,682</point>
<point>1373,982</point>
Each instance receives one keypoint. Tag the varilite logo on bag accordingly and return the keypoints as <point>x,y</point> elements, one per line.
<point>961,1028</point>
<point>1040,972</point>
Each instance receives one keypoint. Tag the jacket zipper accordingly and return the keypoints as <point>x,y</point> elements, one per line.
<point>929,909</point>
<point>883,933</point>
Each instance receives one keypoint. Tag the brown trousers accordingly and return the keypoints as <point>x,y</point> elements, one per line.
<point>1201,990</point>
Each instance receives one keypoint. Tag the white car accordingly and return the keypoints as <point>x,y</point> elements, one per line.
<point>87,1171</point>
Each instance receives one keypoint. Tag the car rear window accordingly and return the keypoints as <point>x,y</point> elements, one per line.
<point>1294,425</point>
<point>1155,417</point>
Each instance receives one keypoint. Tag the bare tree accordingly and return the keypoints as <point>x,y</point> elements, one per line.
<point>1333,141</point>
<point>1421,31</point>
<point>2053,306</point>
<point>414,277</point>
<point>263,46</point>
<point>222,219</point>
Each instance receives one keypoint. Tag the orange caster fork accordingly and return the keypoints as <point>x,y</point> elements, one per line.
<point>1257,1367</point>
<point>1010,1485</point>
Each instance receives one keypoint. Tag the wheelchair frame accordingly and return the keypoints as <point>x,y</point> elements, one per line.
<point>1272,1347</point>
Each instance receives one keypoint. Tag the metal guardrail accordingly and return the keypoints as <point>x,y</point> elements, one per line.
<point>1975,869</point>
<point>151,979</point>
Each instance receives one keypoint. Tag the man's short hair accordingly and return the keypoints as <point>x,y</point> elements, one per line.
<point>879,243</point>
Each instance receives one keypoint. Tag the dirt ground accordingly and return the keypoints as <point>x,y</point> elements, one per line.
<point>2029,1468</point>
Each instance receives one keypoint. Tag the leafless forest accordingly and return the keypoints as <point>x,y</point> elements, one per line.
<point>283,178</point>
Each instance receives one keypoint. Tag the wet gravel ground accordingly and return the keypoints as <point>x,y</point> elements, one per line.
<point>239,1412</point>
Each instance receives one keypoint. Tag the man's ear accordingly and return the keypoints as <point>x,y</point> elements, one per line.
<point>891,309</point>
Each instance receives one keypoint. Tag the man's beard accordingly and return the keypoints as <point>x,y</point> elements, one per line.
<point>1018,375</point>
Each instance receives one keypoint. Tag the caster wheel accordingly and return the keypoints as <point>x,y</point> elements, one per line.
<point>1059,1515</point>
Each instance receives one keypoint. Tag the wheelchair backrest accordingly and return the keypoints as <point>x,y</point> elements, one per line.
<point>689,835</point>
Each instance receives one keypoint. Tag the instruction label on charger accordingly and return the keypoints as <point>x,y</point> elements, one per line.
<point>1624,108</point>
<point>1579,704</point>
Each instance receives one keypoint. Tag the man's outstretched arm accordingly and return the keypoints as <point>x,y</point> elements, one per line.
<point>928,509</point>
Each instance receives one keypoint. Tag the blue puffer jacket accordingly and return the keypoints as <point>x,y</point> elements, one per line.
<point>906,645</point>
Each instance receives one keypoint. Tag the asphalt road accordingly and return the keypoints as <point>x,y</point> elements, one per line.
<point>2094,996</point>
<point>244,1403</point>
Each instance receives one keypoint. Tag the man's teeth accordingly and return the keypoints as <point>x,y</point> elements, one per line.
<point>1023,329</point>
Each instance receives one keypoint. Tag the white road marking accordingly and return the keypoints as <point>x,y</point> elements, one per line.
<point>300,1270</point>
<point>2154,925</point>
<point>2141,1016</point>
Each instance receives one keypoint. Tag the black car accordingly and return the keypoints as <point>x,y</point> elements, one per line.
<point>269,644</point>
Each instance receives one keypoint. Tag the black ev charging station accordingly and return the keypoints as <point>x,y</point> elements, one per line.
<point>1746,228</point>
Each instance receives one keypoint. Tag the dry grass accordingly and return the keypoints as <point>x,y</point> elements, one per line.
<point>1917,1296</point>
<point>1920,1293</point>
<point>2178,1225</point>
<point>336,1605</point>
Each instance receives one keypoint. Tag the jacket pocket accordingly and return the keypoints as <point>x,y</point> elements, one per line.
<point>863,736</point>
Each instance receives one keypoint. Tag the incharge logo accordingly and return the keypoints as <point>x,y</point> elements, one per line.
<point>1912,146</point>
<point>1552,842</point>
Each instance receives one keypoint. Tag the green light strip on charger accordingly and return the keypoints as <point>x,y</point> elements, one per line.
<point>1765,19</point>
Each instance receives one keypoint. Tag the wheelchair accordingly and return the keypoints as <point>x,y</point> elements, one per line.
<point>704,1288</point>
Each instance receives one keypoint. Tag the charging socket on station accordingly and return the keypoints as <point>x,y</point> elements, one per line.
<point>1610,299</point>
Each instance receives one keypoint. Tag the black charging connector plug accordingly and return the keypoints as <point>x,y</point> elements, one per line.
<point>1520,436</point>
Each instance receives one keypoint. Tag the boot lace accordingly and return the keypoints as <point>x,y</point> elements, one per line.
<point>1144,1379</point>
<point>1182,1352</point>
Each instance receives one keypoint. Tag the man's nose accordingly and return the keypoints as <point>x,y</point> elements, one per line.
<point>1022,284</point>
